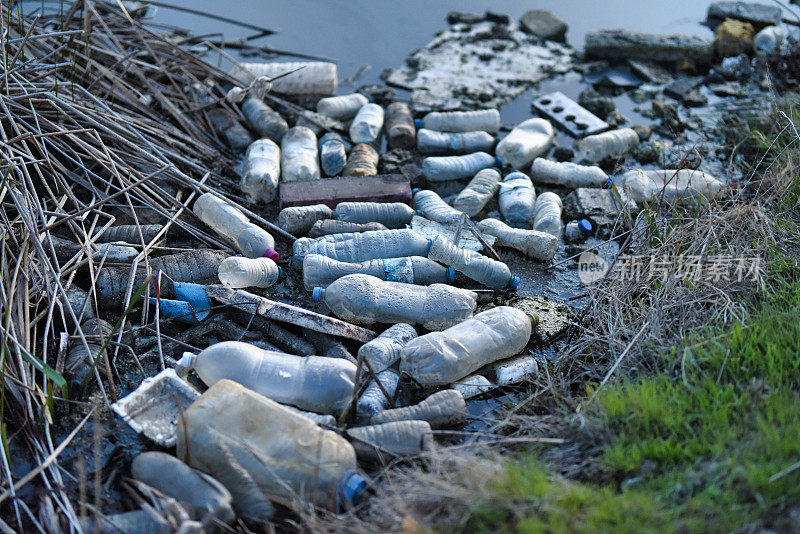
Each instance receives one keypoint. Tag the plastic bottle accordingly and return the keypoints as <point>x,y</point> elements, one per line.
<point>318,418</point>
<point>261,171</point>
<point>80,361</point>
<point>222,217</point>
<point>321,271</point>
<point>568,174</point>
<point>313,383</point>
<point>332,153</point>
<point>538,245</point>
<point>332,226</point>
<point>547,214</point>
<point>366,126</point>
<point>363,299</point>
<point>615,143</point>
<point>487,271</point>
<point>299,155</point>
<point>327,345</point>
<point>480,190</point>
<point>487,120</point>
<point>383,351</point>
<point>341,107</point>
<point>306,78</point>
<point>434,208</point>
<point>65,250</point>
<point>227,126</point>
<point>298,220</point>
<point>390,214</point>
<point>363,161</point>
<point>265,121</point>
<point>238,272</point>
<point>685,186</point>
<point>256,447</point>
<point>364,246</point>
<point>473,386</point>
<point>525,142</point>
<point>317,123</point>
<point>515,370</point>
<point>400,129</point>
<point>441,410</point>
<point>373,400</point>
<point>446,143</point>
<point>444,168</point>
<point>517,198</point>
<point>443,357</point>
<point>383,443</point>
<point>577,231</point>
<point>129,233</point>
<point>768,41</point>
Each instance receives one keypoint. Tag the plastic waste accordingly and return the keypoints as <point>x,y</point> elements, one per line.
<point>306,78</point>
<point>768,41</point>
<point>237,272</point>
<point>332,153</point>
<point>444,168</point>
<point>298,220</point>
<point>320,419</point>
<point>222,217</point>
<point>577,231</point>
<point>265,121</point>
<point>525,142</point>
<point>367,124</point>
<point>443,357</point>
<point>480,190</point>
<point>486,120</point>
<point>262,451</point>
<point>568,174</point>
<point>473,386</point>
<point>547,214</point>
<point>317,123</point>
<point>517,198</point>
<point>109,252</point>
<point>683,186</point>
<point>538,245</point>
<point>400,129</point>
<point>364,246</point>
<point>299,155</point>
<point>383,351</point>
<point>515,370</point>
<point>313,383</point>
<point>229,128</point>
<point>487,271</point>
<point>390,214</point>
<point>373,400</point>
<point>363,299</point>
<point>342,107</point>
<point>261,171</point>
<point>447,143</point>
<point>434,208</point>
<point>165,519</point>
<point>615,143</point>
<point>80,361</point>
<point>441,410</point>
<point>332,226</point>
<point>321,271</point>
<point>363,161</point>
<point>129,233</point>
<point>385,442</point>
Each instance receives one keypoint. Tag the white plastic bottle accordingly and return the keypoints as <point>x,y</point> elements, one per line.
<point>363,161</point>
<point>373,400</point>
<point>264,120</point>
<point>364,246</point>
<point>473,386</point>
<point>486,120</point>
<point>238,272</point>
<point>547,214</point>
<point>447,143</point>
<point>443,357</point>
<point>386,442</point>
<point>525,142</point>
<point>480,190</point>
<point>332,153</point>
<point>313,383</point>
<point>768,41</point>
<point>685,186</point>
<point>445,168</point>
<point>383,351</point>
<point>533,243</point>
<point>487,271</point>
<point>367,125</point>
<point>261,171</point>
<point>229,222</point>
<point>342,107</point>
<point>321,271</point>
<point>567,174</point>
<point>434,208</point>
<point>298,220</point>
<point>363,299</point>
<point>442,409</point>
<point>517,198</point>
<point>332,226</point>
<point>615,143</point>
<point>390,214</point>
<point>306,78</point>
<point>299,155</point>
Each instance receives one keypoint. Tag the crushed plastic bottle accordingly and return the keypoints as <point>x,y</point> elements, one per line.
<point>525,142</point>
<point>227,126</point>
<point>385,442</point>
<point>486,271</point>
<point>383,351</point>
<point>538,245</point>
<point>515,370</point>
<point>80,361</point>
<point>238,272</point>
<point>455,143</point>
<point>298,220</point>
<point>441,410</point>
<point>615,143</point>
<point>299,155</point>
<point>265,121</point>
<point>567,174</point>
<point>313,383</point>
<point>363,299</point>
<point>473,386</point>
<point>332,153</point>
<point>685,186</point>
<point>434,208</point>
<point>321,271</point>
<point>373,400</point>
<point>400,129</point>
<point>480,190</point>
<point>251,240</point>
<point>443,357</point>
<point>306,78</point>
<point>129,233</point>
<point>768,41</point>
<point>577,231</point>
<point>332,226</point>
<point>486,120</point>
<point>390,214</point>
<point>342,107</point>
<point>517,198</point>
<point>357,247</point>
<point>261,171</point>
<point>65,250</point>
<point>366,126</point>
<point>445,168</point>
<point>363,161</point>
<point>547,214</point>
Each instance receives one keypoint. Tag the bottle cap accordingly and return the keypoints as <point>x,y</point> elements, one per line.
<point>418,123</point>
<point>317,294</point>
<point>280,271</point>
<point>514,282</point>
<point>350,490</point>
<point>420,213</point>
<point>534,317</point>
<point>451,274</point>
<point>186,363</point>
<point>414,191</point>
<point>271,254</point>
<point>499,161</point>
<point>585,226</point>
<point>430,244</point>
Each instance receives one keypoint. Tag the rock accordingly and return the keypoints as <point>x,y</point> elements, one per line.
<point>596,103</point>
<point>680,87</point>
<point>668,113</point>
<point>622,44</point>
<point>733,37</point>
<point>644,93</point>
<point>392,161</point>
<point>601,206</point>
<point>758,15</point>
<point>562,153</point>
<point>649,71</point>
<point>736,68</point>
<point>616,119</point>
<point>646,153</point>
<point>694,99</point>
<point>380,94</point>
<point>554,318</point>
<point>544,25</point>
<point>728,89</point>
<point>459,17</point>
<point>644,132</point>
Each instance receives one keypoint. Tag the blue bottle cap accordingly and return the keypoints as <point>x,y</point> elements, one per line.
<point>414,191</point>
<point>350,490</point>
<point>280,271</point>
<point>420,213</point>
<point>499,161</point>
<point>418,123</point>
<point>430,244</point>
<point>316,294</point>
<point>451,274</point>
<point>585,226</point>
<point>514,282</point>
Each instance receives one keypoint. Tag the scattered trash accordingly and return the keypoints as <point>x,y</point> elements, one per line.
<point>489,272</point>
<point>568,114</point>
<point>261,171</point>
<point>383,351</point>
<point>473,386</point>
<point>299,155</point>
<point>321,271</point>
<point>248,272</point>
<point>265,121</point>
<point>623,44</point>
<point>381,188</point>
<point>390,214</point>
<point>363,246</point>
<point>342,107</point>
<point>567,174</point>
<point>517,198</point>
<point>615,143</point>
<point>387,441</point>
<point>547,214</point>
<point>466,240</point>
<point>446,143</point>
<point>444,168</point>
<point>332,153</point>
<point>400,129</point>
<point>515,370</point>
<point>367,124</point>
<point>525,142</point>
<point>314,78</point>
<point>373,400</point>
<point>331,226</point>
<point>434,208</point>
<point>535,244</point>
<point>683,186</point>
<point>768,41</point>
<point>232,224</point>
<point>480,190</point>
<point>484,120</point>
<point>443,409</point>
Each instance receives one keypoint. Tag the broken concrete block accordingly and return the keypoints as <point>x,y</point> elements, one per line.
<point>568,114</point>
<point>622,44</point>
<point>544,25</point>
<point>332,191</point>
<point>554,318</point>
<point>759,15</point>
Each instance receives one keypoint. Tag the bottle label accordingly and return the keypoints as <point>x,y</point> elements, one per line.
<point>399,270</point>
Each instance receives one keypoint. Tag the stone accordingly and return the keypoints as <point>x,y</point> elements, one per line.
<point>644,131</point>
<point>650,71</point>
<point>736,68</point>
<point>544,25</point>
<point>602,207</point>
<point>646,153</point>
<point>680,88</point>
<point>759,15</point>
<point>728,89</point>
<point>598,104</point>
<point>694,99</point>
<point>623,44</point>
<point>554,318</point>
<point>562,153</point>
<point>733,37</point>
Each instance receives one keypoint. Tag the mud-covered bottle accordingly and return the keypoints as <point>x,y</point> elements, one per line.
<point>332,153</point>
<point>299,155</point>
<point>435,143</point>
<point>568,174</point>
<point>487,271</point>
<point>298,220</point>
<point>363,161</point>
<point>445,168</point>
<point>441,410</point>
<point>367,124</point>
<point>238,272</point>
<point>342,107</point>
<point>480,190</point>
<point>265,121</point>
<point>373,399</point>
<point>261,171</point>
<point>400,129</point>
<point>383,351</point>
<point>390,214</point>
<point>487,120</point>
<point>332,226</point>
<point>388,441</point>
<point>517,198</point>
